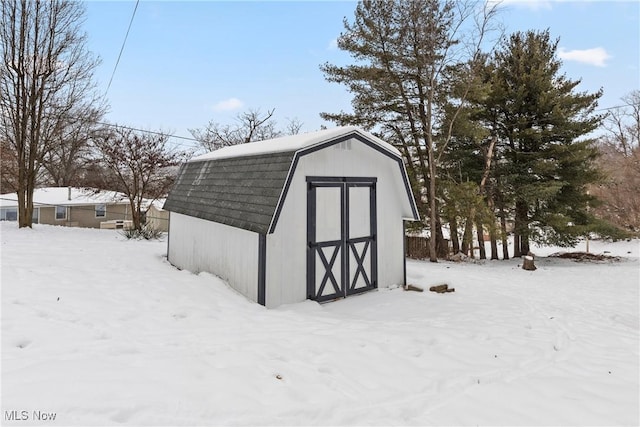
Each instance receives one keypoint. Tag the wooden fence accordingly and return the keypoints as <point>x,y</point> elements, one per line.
<point>418,247</point>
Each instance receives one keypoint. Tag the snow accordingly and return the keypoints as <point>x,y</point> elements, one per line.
<point>100,330</point>
<point>59,196</point>
<point>291,143</point>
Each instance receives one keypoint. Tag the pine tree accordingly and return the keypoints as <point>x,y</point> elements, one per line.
<point>540,119</point>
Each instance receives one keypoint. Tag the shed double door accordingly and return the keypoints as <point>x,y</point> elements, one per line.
<point>341,237</point>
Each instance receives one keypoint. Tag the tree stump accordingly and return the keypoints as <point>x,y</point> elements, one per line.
<point>528,263</point>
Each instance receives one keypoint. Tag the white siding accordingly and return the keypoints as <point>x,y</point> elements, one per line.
<point>230,253</point>
<point>287,246</point>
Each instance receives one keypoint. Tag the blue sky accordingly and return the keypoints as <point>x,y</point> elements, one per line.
<point>186,63</point>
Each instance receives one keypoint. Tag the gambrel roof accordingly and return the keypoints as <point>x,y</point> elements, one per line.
<point>244,185</point>
<point>237,191</point>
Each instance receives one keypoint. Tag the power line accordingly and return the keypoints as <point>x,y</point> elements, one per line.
<point>122,47</point>
<point>186,138</point>
<point>615,107</point>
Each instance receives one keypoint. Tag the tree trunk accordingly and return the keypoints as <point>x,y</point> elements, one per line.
<point>503,235</point>
<point>467,238</point>
<point>433,256</point>
<point>503,227</point>
<point>453,225</point>
<point>480,234</point>
<point>516,245</point>
<point>442,245</point>
<point>521,239</point>
<point>494,242</point>
<point>22,207</point>
<point>492,228</point>
<point>135,215</point>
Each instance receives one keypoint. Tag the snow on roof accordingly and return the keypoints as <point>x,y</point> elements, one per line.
<point>157,203</point>
<point>291,143</point>
<point>60,196</point>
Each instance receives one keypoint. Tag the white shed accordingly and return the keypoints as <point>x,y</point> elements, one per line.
<point>314,216</point>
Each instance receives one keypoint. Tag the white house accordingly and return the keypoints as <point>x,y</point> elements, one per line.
<point>313,216</point>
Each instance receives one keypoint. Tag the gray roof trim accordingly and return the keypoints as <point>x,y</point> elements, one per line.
<point>353,135</point>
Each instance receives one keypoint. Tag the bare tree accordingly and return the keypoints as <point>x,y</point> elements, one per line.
<point>70,154</point>
<point>293,127</point>
<point>250,126</point>
<point>8,168</point>
<point>138,164</point>
<point>620,163</point>
<point>623,125</point>
<point>45,72</point>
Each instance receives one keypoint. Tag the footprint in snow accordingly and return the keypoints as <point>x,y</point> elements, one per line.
<point>23,343</point>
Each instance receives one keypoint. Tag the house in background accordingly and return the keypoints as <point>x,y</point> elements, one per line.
<point>72,207</point>
<point>317,216</point>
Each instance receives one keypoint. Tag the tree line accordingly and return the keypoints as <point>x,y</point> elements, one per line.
<point>496,140</point>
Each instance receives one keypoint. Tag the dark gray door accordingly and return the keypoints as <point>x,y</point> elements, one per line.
<point>341,235</point>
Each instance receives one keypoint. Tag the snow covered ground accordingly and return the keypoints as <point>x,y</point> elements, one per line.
<point>98,330</point>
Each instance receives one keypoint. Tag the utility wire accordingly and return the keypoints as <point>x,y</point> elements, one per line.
<point>615,107</point>
<point>122,47</point>
<point>186,138</point>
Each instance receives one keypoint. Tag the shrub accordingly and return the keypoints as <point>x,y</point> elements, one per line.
<point>145,232</point>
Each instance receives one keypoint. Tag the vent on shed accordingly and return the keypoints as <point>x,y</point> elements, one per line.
<point>345,145</point>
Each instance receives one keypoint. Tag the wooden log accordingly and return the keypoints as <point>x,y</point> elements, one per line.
<point>528,263</point>
<point>414,288</point>
<point>439,288</point>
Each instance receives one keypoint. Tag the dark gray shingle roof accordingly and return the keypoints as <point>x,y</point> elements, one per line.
<point>240,191</point>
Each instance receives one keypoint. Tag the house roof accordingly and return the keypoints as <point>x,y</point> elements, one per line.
<point>60,196</point>
<point>245,185</point>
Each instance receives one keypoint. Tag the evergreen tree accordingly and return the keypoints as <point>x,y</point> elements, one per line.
<point>539,119</point>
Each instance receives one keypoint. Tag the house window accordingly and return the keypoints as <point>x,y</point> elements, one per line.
<point>101,211</point>
<point>61,212</point>
<point>9,214</point>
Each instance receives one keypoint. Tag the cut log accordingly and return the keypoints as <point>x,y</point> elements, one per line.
<point>439,288</point>
<point>414,288</point>
<point>528,263</point>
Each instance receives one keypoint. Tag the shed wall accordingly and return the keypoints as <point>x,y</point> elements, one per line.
<point>287,246</point>
<point>230,253</point>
